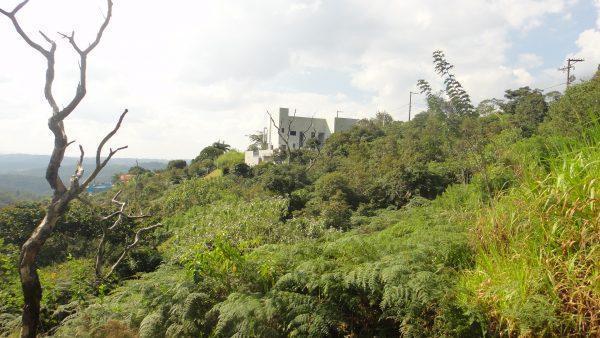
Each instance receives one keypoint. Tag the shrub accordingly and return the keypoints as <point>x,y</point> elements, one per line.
<point>284,178</point>
<point>229,159</point>
<point>153,326</point>
<point>241,170</point>
<point>336,213</point>
<point>176,164</point>
<point>576,111</point>
<point>332,185</point>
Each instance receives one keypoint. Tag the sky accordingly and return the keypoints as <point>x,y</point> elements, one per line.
<point>194,72</point>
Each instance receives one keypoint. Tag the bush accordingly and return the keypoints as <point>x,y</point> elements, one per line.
<point>229,159</point>
<point>241,170</point>
<point>332,185</point>
<point>176,164</point>
<point>336,213</point>
<point>576,111</point>
<point>284,178</point>
<point>201,168</point>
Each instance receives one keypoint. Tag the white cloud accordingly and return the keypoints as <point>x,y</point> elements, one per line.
<point>523,77</point>
<point>193,72</point>
<point>530,60</point>
<point>589,49</point>
<point>526,14</point>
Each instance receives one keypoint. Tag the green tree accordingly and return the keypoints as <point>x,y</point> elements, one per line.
<point>241,169</point>
<point>176,164</point>
<point>258,141</point>
<point>229,159</point>
<point>284,178</point>
<point>332,185</point>
<point>212,152</point>
<point>336,213</point>
<point>527,108</point>
<point>201,168</point>
<point>383,118</point>
<point>460,101</point>
<point>577,111</point>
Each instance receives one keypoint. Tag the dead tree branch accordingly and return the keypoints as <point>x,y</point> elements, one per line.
<point>30,282</point>
<point>285,137</point>
<point>121,216</point>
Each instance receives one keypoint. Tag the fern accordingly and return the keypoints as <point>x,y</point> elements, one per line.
<point>152,326</point>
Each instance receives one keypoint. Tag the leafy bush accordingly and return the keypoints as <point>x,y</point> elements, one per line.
<point>229,159</point>
<point>176,164</point>
<point>241,170</point>
<point>576,111</point>
<point>283,179</point>
<point>336,213</point>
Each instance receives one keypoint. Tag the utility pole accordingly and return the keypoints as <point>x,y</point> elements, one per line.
<point>410,104</point>
<point>570,65</point>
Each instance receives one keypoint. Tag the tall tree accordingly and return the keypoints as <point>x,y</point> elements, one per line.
<point>212,151</point>
<point>527,108</point>
<point>460,101</point>
<point>258,141</point>
<point>62,195</point>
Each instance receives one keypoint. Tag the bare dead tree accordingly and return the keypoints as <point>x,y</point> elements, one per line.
<point>121,215</point>
<point>311,125</point>
<point>285,135</point>
<point>62,195</point>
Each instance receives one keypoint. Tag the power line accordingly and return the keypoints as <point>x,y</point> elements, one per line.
<point>556,85</point>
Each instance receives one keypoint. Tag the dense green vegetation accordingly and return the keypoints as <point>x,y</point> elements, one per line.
<point>465,221</point>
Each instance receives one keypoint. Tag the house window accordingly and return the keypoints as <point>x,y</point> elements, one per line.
<point>282,130</point>
<point>293,132</point>
<point>321,138</point>
<point>312,134</point>
<point>294,145</point>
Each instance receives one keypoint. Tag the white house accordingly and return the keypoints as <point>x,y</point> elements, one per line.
<point>254,157</point>
<point>298,129</point>
<point>294,131</point>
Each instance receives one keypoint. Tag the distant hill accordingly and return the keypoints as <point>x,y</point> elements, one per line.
<point>23,174</point>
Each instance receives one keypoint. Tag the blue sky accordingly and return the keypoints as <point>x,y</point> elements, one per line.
<point>203,71</point>
<point>556,36</point>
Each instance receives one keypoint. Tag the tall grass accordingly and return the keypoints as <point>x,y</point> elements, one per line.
<point>538,248</point>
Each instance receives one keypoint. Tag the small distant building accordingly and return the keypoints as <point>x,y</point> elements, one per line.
<point>126,177</point>
<point>343,124</point>
<point>297,130</point>
<point>301,129</point>
<point>254,157</point>
<point>100,187</point>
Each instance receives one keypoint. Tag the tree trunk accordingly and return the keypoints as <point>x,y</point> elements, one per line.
<point>30,281</point>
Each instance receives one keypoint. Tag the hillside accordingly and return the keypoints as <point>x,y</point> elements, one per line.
<point>464,222</point>
<point>24,174</point>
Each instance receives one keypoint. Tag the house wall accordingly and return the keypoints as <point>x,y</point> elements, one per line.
<point>254,157</point>
<point>343,124</point>
<point>301,129</point>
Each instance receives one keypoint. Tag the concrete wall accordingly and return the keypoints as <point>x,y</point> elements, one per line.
<point>301,129</point>
<point>343,124</point>
<point>255,157</point>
